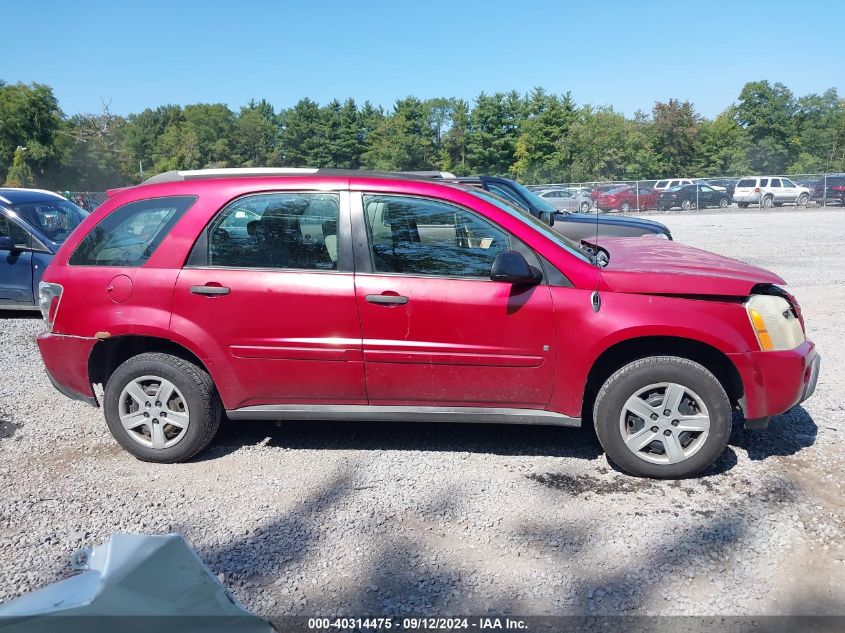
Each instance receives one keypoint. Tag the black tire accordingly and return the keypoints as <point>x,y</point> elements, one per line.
<point>723,203</point>
<point>767,202</point>
<point>197,387</point>
<point>803,200</point>
<point>640,374</point>
<point>625,207</point>
<point>686,205</point>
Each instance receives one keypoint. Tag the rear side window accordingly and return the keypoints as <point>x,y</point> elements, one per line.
<point>775,182</point>
<point>746,182</point>
<point>130,234</point>
<point>277,230</point>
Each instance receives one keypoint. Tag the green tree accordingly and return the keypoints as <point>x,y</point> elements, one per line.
<point>30,117</point>
<point>141,135</point>
<point>820,120</point>
<point>213,124</point>
<point>403,141</point>
<point>493,132</point>
<point>767,113</point>
<point>303,135</point>
<point>20,175</point>
<point>675,137</point>
<point>541,155</point>
<point>724,147</point>
<point>256,135</point>
<point>604,145</point>
<point>452,150</point>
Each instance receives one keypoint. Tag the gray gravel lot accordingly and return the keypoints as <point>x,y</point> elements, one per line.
<point>357,518</point>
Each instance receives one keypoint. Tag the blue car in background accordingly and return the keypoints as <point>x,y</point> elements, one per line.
<point>33,224</point>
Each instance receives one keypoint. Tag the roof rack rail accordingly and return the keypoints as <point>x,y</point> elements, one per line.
<point>198,174</point>
<point>240,172</point>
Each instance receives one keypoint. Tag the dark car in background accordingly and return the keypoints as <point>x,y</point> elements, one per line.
<point>33,224</point>
<point>693,196</point>
<point>627,198</point>
<point>728,184</point>
<point>830,189</point>
<point>575,226</point>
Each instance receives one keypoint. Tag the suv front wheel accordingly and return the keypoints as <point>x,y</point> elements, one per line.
<point>162,408</point>
<point>663,416</point>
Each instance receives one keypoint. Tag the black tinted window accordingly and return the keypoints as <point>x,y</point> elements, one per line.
<point>747,182</point>
<point>278,230</point>
<point>417,236</point>
<point>129,235</point>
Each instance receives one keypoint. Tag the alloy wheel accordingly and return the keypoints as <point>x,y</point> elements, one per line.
<point>664,423</point>
<point>153,412</point>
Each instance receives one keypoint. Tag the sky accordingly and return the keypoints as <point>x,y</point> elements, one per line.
<point>135,55</point>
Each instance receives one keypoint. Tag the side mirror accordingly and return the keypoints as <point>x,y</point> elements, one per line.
<point>512,268</point>
<point>7,243</point>
<point>547,217</point>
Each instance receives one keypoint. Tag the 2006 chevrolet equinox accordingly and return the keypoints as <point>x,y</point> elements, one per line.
<point>306,294</point>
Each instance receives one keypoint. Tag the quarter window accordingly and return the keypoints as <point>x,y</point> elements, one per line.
<point>418,236</point>
<point>129,235</point>
<point>279,230</point>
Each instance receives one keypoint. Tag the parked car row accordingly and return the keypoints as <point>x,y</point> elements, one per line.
<point>765,191</point>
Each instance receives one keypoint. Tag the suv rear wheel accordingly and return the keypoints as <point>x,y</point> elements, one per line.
<point>162,408</point>
<point>663,416</point>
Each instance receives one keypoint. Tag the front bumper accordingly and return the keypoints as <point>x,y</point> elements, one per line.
<point>66,362</point>
<point>774,382</point>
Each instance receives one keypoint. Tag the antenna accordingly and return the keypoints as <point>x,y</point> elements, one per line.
<point>595,297</point>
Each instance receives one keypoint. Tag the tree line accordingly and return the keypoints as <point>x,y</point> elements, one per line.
<point>535,137</point>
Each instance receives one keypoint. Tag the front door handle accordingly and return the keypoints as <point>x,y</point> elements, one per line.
<point>210,290</point>
<point>390,300</point>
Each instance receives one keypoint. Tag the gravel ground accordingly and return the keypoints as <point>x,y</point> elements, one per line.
<point>343,518</point>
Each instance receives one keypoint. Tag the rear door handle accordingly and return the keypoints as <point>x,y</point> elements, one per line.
<point>210,290</point>
<point>391,300</point>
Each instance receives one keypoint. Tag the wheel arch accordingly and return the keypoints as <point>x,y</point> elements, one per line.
<point>108,354</point>
<point>624,352</point>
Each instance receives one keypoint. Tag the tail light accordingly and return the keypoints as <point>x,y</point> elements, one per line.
<point>756,189</point>
<point>838,188</point>
<point>49,296</point>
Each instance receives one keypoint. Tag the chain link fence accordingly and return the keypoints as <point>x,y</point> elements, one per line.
<point>88,200</point>
<point>803,190</point>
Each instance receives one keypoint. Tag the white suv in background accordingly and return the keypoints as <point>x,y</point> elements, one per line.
<point>661,185</point>
<point>769,191</point>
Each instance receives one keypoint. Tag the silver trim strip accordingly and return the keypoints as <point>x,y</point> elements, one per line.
<point>484,415</point>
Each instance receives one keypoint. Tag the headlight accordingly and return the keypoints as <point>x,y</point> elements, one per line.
<point>774,323</point>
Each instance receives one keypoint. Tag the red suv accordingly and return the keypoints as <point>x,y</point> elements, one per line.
<point>305,294</point>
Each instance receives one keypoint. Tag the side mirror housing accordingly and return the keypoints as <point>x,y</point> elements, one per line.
<point>547,217</point>
<point>7,243</point>
<point>511,267</point>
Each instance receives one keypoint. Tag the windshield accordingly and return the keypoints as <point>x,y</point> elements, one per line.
<point>55,219</point>
<point>538,225</point>
<point>535,200</point>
